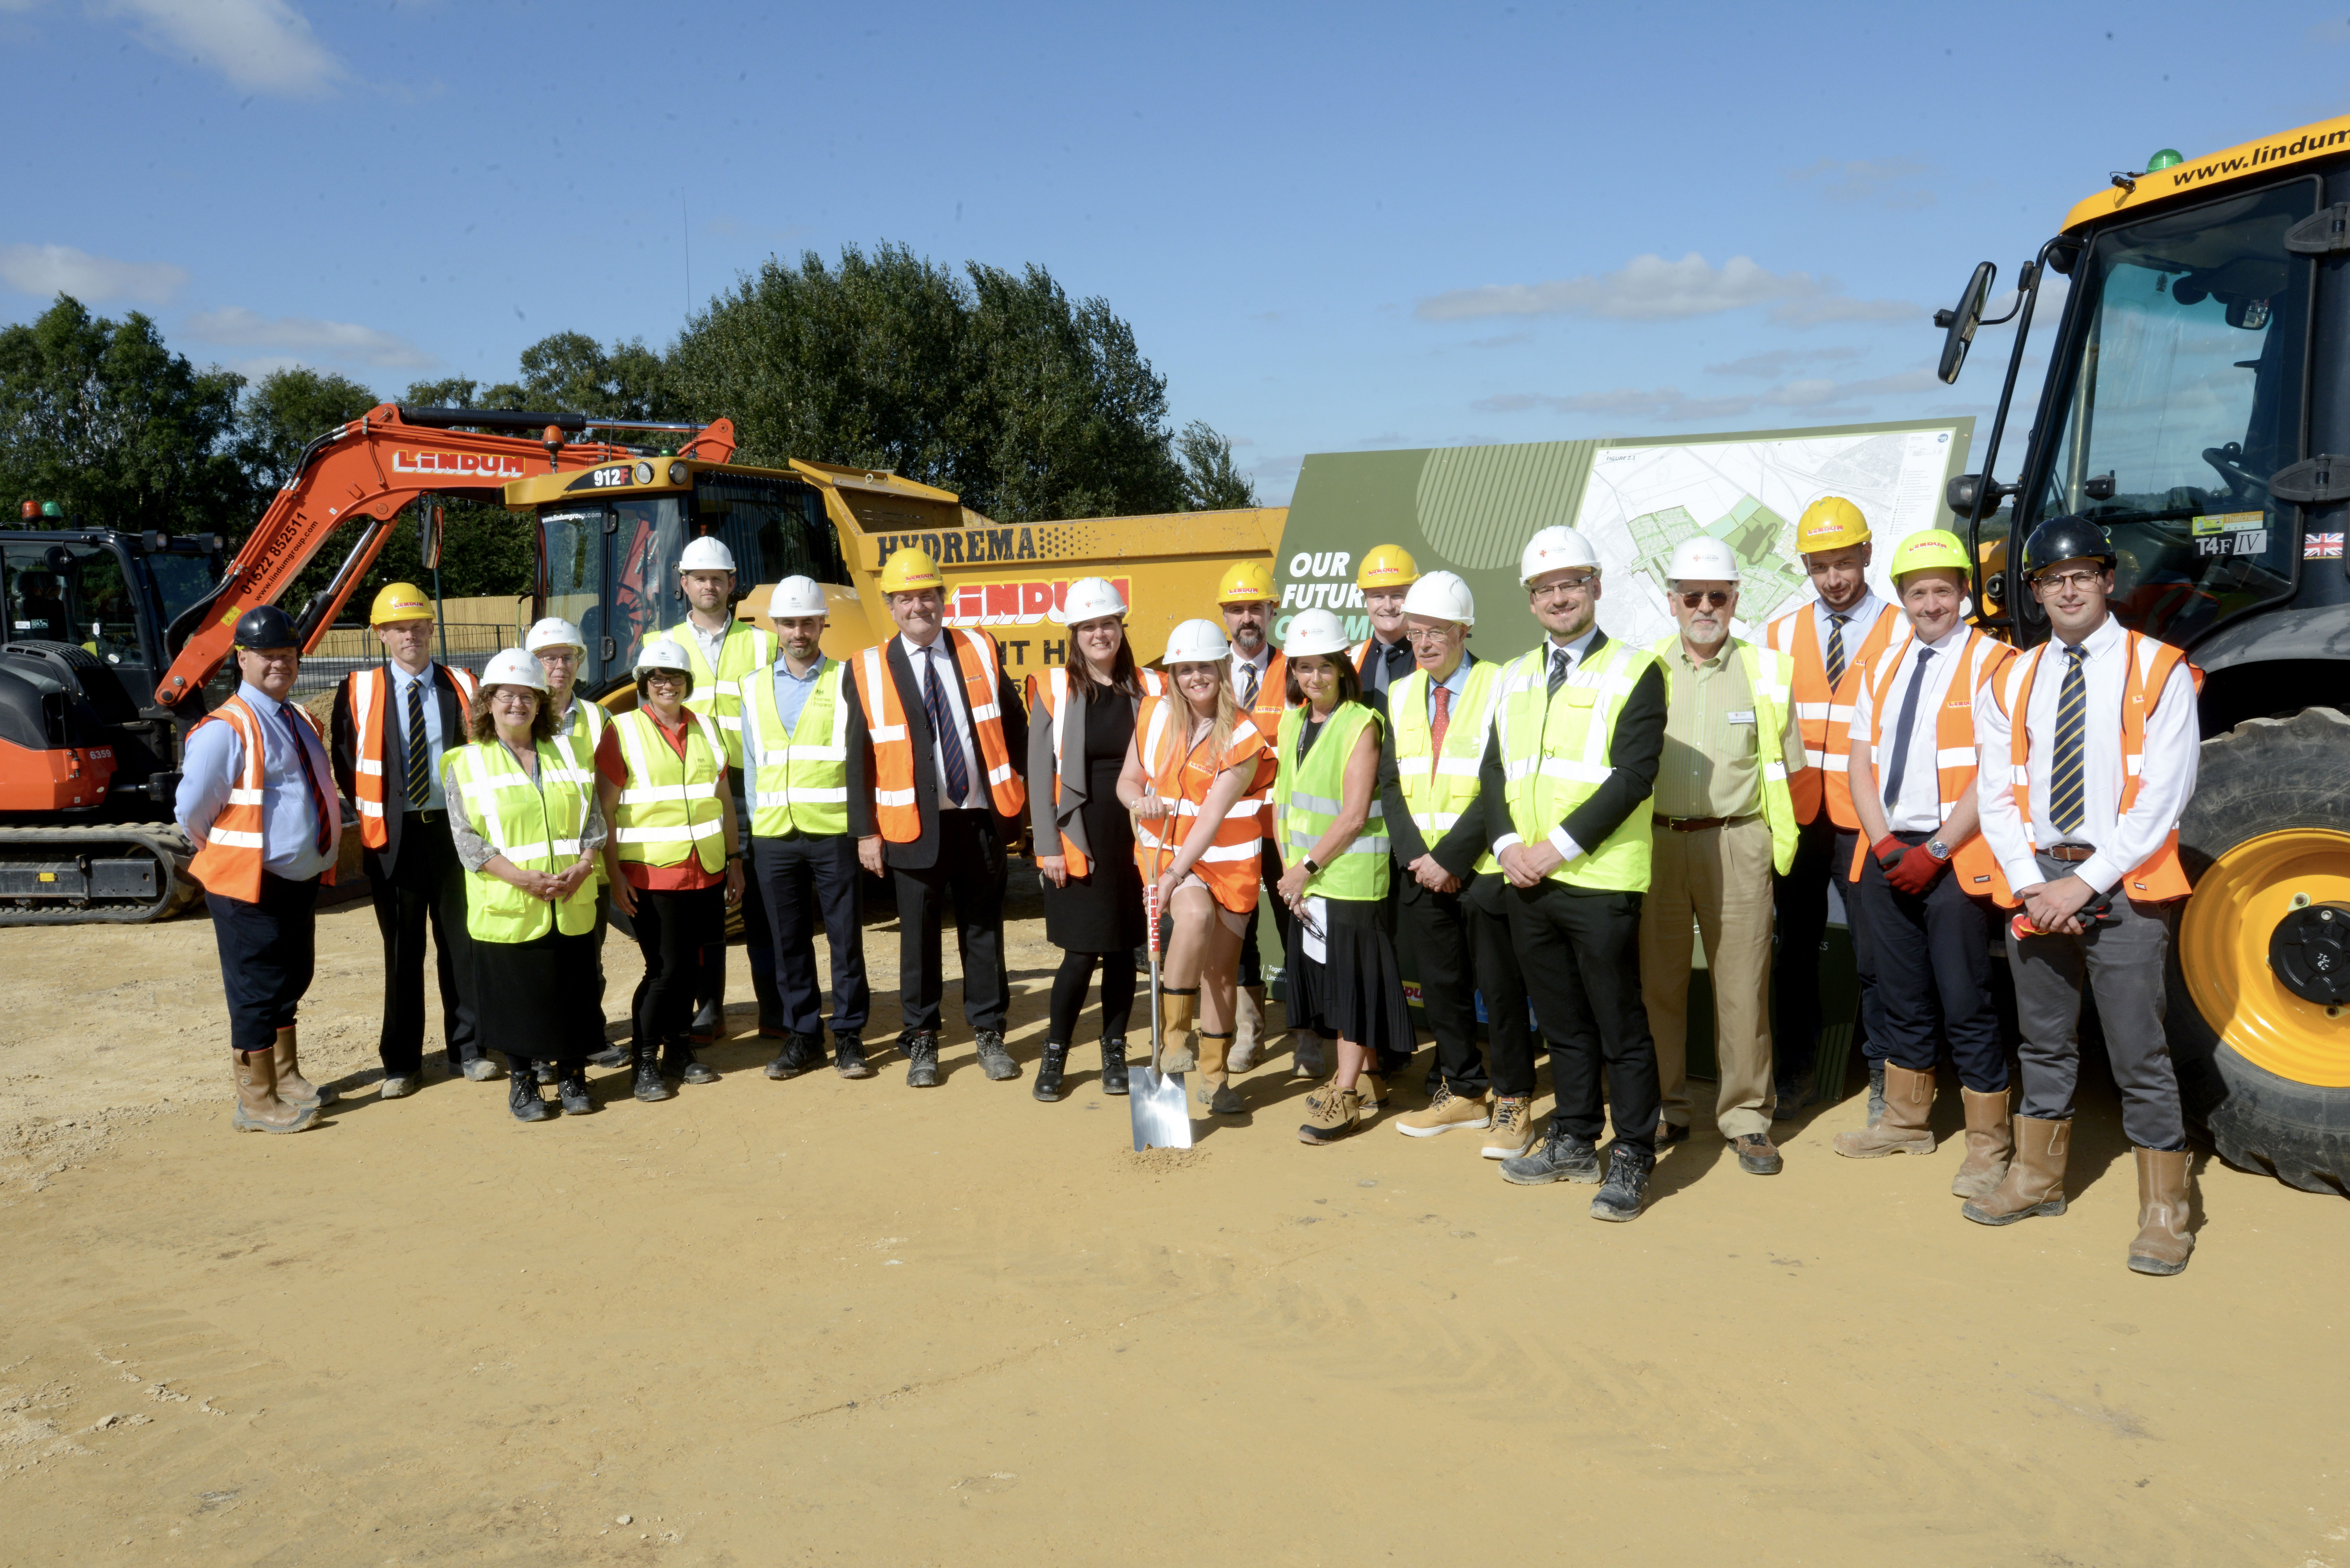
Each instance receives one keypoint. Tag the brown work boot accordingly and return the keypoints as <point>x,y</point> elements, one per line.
<point>2163,1240</point>
<point>1991,1144</point>
<point>1178,1011</point>
<point>258,1108</point>
<point>1513,1132</point>
<point>1908,1101</point>
<point>1372,1084</point>
<point>1248,1028</point>
<point>292,1086</point>
<point>1446,1112</point>
<point>2034,1183</point>
<point>1331,1113</point>
<point>1215,1086</point>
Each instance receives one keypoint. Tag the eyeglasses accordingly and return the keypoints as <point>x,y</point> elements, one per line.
<point>663,678</point>
<point>551,656</point>
<point>1565,587</point>
<point>1716,597</point>
<point>1435,634</point>
<point>2083,581</point>
<point>511,696</point>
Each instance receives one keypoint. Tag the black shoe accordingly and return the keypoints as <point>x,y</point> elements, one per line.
<point>1626,1190</point>
<point>613,1055</point>
<point>1113,1079</point>
<point>1668,1132</point>
<point>521,1096</point>
<point>571,1088</point>
<point>1757,1155</point>
<point>678,1061</point>
<point>921,1049</point>
<point>650,1085</point>
<point>993,1059</point>
<point>698,1070</point>
<point>799,1054</point>
<point>543,1072</point>
<point>849,1057</point>
<point>1560,1157</point>
<point>1048,1071</point>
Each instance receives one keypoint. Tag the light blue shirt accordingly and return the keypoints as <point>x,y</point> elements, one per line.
<point>792,691</point>
<point>215,763</point>
<point>396,781</point>
<point>1856,622</point>
<point>1457,682</point>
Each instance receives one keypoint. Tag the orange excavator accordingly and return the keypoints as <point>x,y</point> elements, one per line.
<point>113,645</point>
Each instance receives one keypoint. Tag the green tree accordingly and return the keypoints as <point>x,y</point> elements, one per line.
<point>1211,481</point>
<point>285,412</point>
<point>570,373</point>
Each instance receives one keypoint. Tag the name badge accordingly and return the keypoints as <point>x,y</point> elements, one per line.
<point>1743,716</point>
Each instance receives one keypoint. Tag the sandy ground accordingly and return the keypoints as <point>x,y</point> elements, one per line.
<point>842,1322</point>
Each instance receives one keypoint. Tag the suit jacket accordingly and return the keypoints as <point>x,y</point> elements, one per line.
<point>1632,756</point>
<point>1456,850</point>
<point>923,852</point>
<point>344,735</point>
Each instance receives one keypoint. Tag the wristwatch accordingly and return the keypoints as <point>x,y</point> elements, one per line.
<point>1938,849</point>
<point>1311,868</point>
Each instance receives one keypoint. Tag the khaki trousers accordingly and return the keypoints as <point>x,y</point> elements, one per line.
<point>1719,880</point>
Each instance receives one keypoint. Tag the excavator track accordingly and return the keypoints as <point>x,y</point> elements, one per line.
<point>118,873</point>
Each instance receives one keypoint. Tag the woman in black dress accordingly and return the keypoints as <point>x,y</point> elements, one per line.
<point>1080,720</point>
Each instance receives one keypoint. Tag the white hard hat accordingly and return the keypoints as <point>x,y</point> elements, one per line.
<point>1193,642</point>
<point>1552,549</point>
<point>1702,558</point>
<point>706,555</point>
<point>1441,596</point>
<point>663,653</point>
<point>795,596</point>
<point>1090,598</point>
<point>555,632</point>
<point>1315,631</point>
<point>516,666</point>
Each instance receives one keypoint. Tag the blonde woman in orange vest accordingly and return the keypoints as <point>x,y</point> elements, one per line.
<point>256,799</point>
<point>391,725</point>
<point>1260,681</point>
<point>1195,779</point>
<point>1923,884</point>
<point>1080,729</point>
<point>948,738</point>
<point>2090,744</point>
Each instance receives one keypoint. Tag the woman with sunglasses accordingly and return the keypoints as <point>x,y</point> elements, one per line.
<point>1344,981</point>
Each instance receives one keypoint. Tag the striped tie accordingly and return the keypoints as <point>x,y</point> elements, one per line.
<point>1562,659</point>
<point>420,762</point>
<point>2067,791</point>
<point>1835,648</point>
<point>943,731</point>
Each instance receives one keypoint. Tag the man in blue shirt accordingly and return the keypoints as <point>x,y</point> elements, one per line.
<point>266,829</point>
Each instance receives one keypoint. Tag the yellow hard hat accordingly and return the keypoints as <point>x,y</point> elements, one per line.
<point>1830,524</point>
<point>1387,566</point>
<point>908,570</point>
<point>1929,547</point>
<point>1249,582</point>
<point>398,602</point>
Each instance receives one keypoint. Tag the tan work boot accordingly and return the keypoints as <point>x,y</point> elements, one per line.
<point>292,1086</point>
<point>1248,1028</point>
<point>2034,1183</point>
<point>1513,1132</point>
<point>1331,1113</point>
<point>1908,1102</point>
<point>2163,1240</point>
<point>1178,1010</point>
<point>1446,1112</point>
<point>1991,1144</point>
<point>258,1108</point>
<point>1215,1090</point>
<point>1372,1084</point>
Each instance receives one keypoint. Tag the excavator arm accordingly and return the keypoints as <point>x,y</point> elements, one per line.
<point>369,469</point>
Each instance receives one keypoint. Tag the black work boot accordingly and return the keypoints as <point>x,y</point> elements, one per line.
<point>543,1072</point>
<point>1626,1190</point>
<point>921,1049</point>
<point>1049,1070</point>
<point>571,1088</point>
<point>611,1054</point>
<point>1560,1157</point>
<point>993,1059</point>
<point>521,1096</point>
<point>708,1023</point>
<point>650,1084</point>
<point>679,1061</point>
<point>798,1055</point>
<point>1113,1079</point>
<point>849,1057</point>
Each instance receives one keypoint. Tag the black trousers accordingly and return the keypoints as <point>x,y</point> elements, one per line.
<point>1252,961</point>
<point>1580,954</point>
<point>1461,950</point>
<point>672,929</point>
<point>805,881</point>
<point>1940,944</point>
<point>758,947</point>
<point>426,888</point>
<point>970,866</point>
<point>1800,899</point>
<point>267,951</point>
<point>1070,983</point>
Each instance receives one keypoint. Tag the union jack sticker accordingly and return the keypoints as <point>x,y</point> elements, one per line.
<point>2321,547</point>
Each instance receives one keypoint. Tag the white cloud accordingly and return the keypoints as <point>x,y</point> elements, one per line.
<point>1773,363</point>
<point>307,338</point>
<point>48,270</point>
<point>1872,182</point>
<point>260,45</point>
<point>1828,309</point>
<point>1817,396</point>
<point>1650,288</point>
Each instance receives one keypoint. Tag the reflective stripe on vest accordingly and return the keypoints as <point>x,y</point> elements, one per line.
<point>896,808</point>
<point>1308,797</point>
<point>1438,788</point>
<point>1047,694</point>
<point>1824,716</point>
<point>1554,756</point>
<point>1981,659</point>
<point>718,693</point>
<point>1233,864</point>
<point>1272,702</point>
<point>535,823</point>
<point>230,862</point>
<point>1770,676</point>
<point>371,703</point>
<point>799,782</point>
<point>589,721</point>
<point>668,809</point>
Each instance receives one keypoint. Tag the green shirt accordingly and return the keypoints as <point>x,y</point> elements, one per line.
<point>1711,764</point>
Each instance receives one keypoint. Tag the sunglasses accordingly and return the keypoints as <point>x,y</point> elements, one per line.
<point>1717,597</point>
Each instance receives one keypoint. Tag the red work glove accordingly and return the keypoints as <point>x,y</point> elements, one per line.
<point>1916,871</point>
<point>1888,851</point>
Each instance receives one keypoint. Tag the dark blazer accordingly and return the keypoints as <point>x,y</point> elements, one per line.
<point>1462,844</point>
<point>923,852</point>
<point>1632,756</point>
<point>343,733</point>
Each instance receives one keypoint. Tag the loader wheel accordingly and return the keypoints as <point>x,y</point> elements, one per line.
<point>2258,1029</point>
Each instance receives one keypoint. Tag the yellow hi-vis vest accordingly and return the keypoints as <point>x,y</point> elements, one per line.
<point>1438,788</point>
<point>799,780</point>
<point>534,823</point>
<point>718,693</point>
<point>1771,677</point>
<point>586,733</point>
<point>669,806</point>
<point>1554,757</point>
<point>1308,797</point>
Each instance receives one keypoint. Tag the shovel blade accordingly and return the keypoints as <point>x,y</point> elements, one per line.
<point>1162,1117</point>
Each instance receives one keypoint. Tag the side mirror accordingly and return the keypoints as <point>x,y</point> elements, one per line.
<point>1961,323</point>
<point>428,532</point>
<point>1962,491</point>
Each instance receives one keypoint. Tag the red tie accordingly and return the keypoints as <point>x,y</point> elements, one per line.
<point>1438,722</point>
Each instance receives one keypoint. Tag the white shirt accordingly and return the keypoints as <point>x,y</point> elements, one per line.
<point>921,660</point>
<point>1568,848</point>
<point>1920,809</point>
<point>713,643</point>
<point>1261,664</point>
<point>2173,748</point>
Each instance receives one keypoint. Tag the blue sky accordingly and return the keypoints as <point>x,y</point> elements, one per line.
<point>1332,227</point>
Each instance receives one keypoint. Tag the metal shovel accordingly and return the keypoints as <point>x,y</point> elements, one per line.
<point>1162,1117</point>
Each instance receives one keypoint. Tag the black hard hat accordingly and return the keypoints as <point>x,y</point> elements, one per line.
<point>266,627</point>
<point>2074,538</point>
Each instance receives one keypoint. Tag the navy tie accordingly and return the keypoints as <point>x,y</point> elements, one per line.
<point>2067,786</point>
<point>319,808</point>
<point>1901,733</point>
<point>1248,686</point>
<point>1835,659</point>
<point>943,732</point>
<point>420,759</point>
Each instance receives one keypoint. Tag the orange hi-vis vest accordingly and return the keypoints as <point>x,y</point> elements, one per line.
<point>1825,715</point>
<point>1979,659</point>
<point>897,809</point>
<point>1232,862</point>
<point>370,704</point>
<point>230,862</point>
<point>1265,715</point>
<point>1048,693</point>
<point>2159,876</point>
